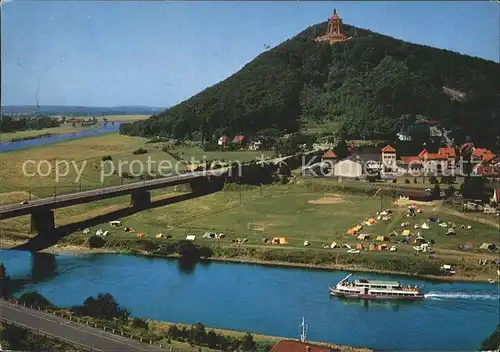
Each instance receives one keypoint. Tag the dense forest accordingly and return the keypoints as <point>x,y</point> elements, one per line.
<point>362,86</point>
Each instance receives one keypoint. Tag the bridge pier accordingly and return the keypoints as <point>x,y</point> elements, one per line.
<point>140,199</point>
<point>206,185</point>
<point>43,222</point>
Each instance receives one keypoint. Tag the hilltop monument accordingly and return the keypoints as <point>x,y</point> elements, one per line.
<point>334,33</point>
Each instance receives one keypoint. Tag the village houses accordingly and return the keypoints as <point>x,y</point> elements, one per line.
<point>358,165</point>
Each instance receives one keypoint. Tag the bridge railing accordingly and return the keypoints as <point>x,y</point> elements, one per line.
<point>78,320</point>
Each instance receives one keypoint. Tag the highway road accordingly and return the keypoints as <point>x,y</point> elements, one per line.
<point>97,340</point>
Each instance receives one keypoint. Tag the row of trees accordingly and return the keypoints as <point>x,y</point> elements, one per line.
<point>196,334</point>
<point>9,124</point>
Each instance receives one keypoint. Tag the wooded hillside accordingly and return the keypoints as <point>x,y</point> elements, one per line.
<point>362,85</point>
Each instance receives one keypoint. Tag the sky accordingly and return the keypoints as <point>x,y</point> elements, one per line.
<point>93,53</point>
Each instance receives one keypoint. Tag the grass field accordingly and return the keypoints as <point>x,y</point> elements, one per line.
<point>90,151</point>
<point>245,155</point>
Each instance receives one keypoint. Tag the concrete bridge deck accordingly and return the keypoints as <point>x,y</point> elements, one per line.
<point>61,201</point>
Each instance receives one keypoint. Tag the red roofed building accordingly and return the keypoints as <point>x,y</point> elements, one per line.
<point>238,139</point>
<point>411,162</point>
<point>388,159</point>
<point>433,162</point>
<point>329,157</point>
<point>448,151</point>
<point>297,346</point>
<point>488,156</point>
<point>487,171</point>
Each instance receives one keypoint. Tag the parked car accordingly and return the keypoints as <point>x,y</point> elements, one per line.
<point>24,202</point>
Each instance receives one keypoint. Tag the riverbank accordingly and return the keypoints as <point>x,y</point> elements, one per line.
<point>75,249</point>
<point>259,299</point>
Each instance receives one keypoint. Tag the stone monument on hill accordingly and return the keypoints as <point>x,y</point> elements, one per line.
<point>334,33</point>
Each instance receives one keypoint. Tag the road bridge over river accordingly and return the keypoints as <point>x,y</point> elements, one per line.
<point>201,183</point>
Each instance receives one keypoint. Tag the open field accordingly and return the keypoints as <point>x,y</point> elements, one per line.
<point>189,152</point>
<point>90,151</point>
<point>298,214</point>
<point>86,150</point>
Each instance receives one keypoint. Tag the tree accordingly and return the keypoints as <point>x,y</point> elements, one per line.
<point>103,306</point>
<point>436,191</point>
<point>492,342</point>
<point>247,343</point>
<point>35,299</point>
<point>139,323</point>
<point>473,187</point>
<point>173,332</point>
<point>12,337</point>
<point>96,242</point>
<point>5,289</point>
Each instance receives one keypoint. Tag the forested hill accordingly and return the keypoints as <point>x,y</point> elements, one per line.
<point>364,85</point>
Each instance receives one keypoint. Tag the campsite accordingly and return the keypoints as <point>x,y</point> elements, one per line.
<point>276,221</point>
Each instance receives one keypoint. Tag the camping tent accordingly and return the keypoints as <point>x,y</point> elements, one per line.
<point>364,236</point>
<point>373,247</point>
<point>333,245</point>
<point>190,237</point>
<point>383,247</point>
<point>360,246</point>
<point>406,233</point>
<point>279,240</point>
<point>488,246</point>
<point>383,238</point>
<point>420,240</point>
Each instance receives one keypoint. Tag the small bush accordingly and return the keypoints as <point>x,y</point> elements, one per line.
<point>140,151</point>
<point>96,242</point>
<point>139,323</point>
<point>125,174</point>
<point>107,158</point>
<point>35,299</point>
<point>407,181</point>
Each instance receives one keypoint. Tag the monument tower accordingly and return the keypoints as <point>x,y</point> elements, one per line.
<point>334,33</point>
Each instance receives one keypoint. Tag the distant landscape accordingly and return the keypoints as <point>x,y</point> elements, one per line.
<point>79,110</point>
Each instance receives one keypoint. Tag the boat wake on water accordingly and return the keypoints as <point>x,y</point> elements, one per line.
<point>461,296</point>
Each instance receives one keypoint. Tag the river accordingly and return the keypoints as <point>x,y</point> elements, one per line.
<point>267,300</point>
<point>16,145</point>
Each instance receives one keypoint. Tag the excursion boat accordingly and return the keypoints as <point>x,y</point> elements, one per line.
<point>375,289</point>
